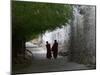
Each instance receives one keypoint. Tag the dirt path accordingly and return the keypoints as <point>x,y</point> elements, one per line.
<point>42,64</point>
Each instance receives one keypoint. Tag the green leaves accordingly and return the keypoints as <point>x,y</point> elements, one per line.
<point>31,18</point>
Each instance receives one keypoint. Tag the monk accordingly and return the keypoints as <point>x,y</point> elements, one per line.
<point>48,50</point>
<point>55,49</point>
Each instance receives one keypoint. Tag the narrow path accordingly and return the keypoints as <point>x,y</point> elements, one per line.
<point>42,64</point>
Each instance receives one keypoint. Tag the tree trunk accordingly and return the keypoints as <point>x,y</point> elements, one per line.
<point>18,47</point>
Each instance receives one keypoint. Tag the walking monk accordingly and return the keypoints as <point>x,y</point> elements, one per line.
<point>48,50</point>
<point>55,49</point>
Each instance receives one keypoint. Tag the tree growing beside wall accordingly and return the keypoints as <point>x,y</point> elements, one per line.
<point>30,19</point>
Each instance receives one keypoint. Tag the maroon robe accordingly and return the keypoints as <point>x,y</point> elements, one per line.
<point>48,51</point>
<point>55,49</point>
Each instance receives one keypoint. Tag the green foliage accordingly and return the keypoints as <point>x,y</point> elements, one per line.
<point>31,18</point>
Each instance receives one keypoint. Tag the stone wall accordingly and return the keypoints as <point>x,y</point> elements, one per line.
<point>83,35</point>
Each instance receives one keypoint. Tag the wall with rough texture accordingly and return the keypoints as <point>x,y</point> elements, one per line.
<point>83,35</point>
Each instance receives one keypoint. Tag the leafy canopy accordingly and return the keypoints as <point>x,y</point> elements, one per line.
<point>31,18</point>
